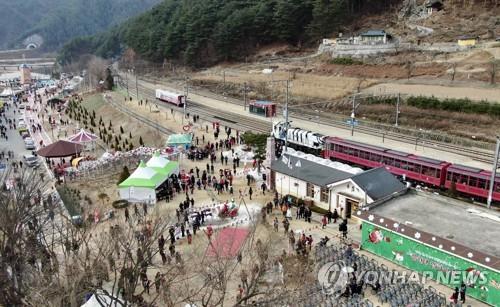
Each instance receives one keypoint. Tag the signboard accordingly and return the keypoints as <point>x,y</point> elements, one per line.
<point>482,283</point>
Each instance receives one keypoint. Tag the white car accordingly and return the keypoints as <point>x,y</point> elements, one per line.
<point>21,124</point>
<point>29,143</point>
<point>31,160</point>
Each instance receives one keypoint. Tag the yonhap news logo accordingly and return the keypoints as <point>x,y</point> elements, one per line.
<point>334,277</point>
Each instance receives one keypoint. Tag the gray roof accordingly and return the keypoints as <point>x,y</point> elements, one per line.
<point>374,33</point>
<point>378,183</point>
<point>315,173</point>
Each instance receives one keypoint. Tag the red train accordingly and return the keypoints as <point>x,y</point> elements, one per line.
<point>468,180</point>
<point>438,173</point>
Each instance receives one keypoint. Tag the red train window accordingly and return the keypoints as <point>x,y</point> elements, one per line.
<point>473,182</point>
<point>481,184</point>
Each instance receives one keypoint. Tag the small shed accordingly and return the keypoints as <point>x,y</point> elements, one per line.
<point>433,6</point>
<point>175,140</point>
<point>375,36</point>
<point>467,40</point>
<point>263,108</point>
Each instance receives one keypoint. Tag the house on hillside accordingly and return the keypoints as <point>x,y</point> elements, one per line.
<point>375,37</point>
<point>433,6</point>
<point>329,187</point>
<point>467,40</point>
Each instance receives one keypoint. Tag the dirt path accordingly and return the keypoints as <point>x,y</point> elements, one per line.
<point>489,94</point>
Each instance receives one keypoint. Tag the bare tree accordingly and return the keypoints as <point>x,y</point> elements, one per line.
<point>493,71</point>
<point>409,66</point>
<point>453,71</point>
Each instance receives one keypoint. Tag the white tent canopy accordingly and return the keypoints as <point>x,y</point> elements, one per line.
<point>141,185</point>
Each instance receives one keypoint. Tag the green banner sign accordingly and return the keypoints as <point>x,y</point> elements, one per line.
<point>482,283</point>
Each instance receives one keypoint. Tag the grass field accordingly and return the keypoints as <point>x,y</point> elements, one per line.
<point>303,85</point>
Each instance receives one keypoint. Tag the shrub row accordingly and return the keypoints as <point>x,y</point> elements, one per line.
<point>345,61</point>
<point>455,105</point>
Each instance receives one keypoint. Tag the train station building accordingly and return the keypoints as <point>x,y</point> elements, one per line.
<point>327,185</point>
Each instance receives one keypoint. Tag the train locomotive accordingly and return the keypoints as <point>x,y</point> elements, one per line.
<point>470,181</point>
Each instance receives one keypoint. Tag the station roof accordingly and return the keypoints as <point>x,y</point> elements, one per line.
<point>454,221</point>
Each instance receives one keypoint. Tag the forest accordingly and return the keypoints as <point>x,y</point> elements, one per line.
<point>203,32</point>
<point>58,21</point>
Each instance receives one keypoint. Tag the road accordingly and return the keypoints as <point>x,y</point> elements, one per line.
<point>15,141</point>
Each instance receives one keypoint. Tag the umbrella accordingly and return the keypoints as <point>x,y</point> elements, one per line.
<point>60,149</point>
<point>82,137</point>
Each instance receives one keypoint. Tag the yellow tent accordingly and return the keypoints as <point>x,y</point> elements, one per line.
<point>75,161</point>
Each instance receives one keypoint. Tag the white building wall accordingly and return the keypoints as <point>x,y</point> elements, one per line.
<point>289,185</point>
<point>338,196</point>
<point>298,188</point>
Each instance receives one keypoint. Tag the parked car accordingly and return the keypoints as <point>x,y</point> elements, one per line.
<point>29,143</point>
<point>31,160</point>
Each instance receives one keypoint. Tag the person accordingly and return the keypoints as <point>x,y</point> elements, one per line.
<point>240,294</point>
<point>145,284</point>
<point>161,243</point>
<point>244,278</point>
<point>157,282</point>
<point>263,187</point>
<point>463,288</point>
<point>250,192</point>
<point>454,296</point>
<point>343,228</point>
<point>286,225</point>
<point>209,232</point>
<point>127,216</point>
<point>276,224</point>
<point>335,216</point>
<point>189,236</point>
<point>323,222</point>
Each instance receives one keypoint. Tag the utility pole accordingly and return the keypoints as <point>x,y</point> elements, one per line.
<point>185,101</point>
<point>286,115</point>
<point>126,76</point>
<point>397,109</point>
<point>353,115</point>
<point>493,173</point>
<point>244,96</point>
<point>136,85</point>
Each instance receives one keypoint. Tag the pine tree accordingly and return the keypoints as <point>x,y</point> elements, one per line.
<point>140,141</point>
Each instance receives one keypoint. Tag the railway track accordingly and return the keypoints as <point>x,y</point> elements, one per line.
<point>140,118</point>
<point>244,123</point>
<point>234,121</point>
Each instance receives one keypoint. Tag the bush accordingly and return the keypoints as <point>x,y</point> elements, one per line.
<point>455,105</point>
<point>120,204</point>
<point>345,61</point>
<point>70,200</point>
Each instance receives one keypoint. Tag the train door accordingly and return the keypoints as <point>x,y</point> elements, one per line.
<point>182,100</point>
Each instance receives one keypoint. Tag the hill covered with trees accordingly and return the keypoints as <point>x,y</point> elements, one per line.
<point>203,32</point>
<point>58,21</point>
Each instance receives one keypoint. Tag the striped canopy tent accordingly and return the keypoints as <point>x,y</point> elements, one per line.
<point>82,137</point>
<point>163,165</point>
<point>141,185</point>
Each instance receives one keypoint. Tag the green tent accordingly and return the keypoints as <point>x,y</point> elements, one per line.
<point>162,165</point>
<point>144,177</point>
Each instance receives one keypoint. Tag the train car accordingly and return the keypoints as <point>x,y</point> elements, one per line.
<point>410,166</point>
<point>300,139</point>
<point>472,181</point>
<point>169,97</point>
